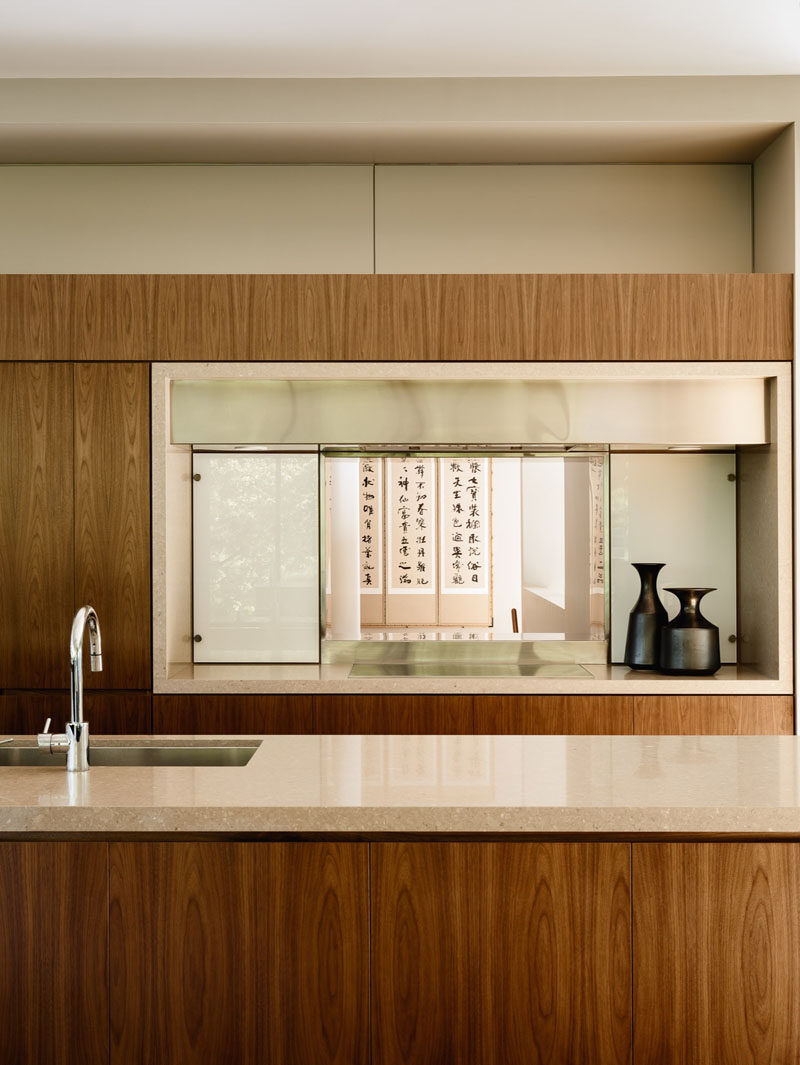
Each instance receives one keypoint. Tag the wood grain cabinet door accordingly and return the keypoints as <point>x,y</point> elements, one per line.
<point>713,715</point>
<point>36,529</point>
<point>250,953</point>
<point>53,942</point>
<point>716,953</point>
<point>512,953</point>
<point>559,715</point>
<point>112,516</point>
<point>395,715</point>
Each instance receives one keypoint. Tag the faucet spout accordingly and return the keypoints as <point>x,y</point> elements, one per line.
<point>86,618</point>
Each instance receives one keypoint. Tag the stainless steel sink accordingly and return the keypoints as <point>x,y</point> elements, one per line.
<point>135,756</point>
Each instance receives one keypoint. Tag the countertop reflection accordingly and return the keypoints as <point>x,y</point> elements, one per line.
<point>546,785</point>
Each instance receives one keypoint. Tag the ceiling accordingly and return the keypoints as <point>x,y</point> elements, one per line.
<point>397,38</point>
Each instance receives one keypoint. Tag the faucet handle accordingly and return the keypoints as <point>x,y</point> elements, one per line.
<point>44,737</point>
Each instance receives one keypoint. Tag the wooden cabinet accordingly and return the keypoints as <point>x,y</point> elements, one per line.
<point>501,952</point>
<point>716,953</point>
<point>393,714</point>
<point>587,715</point>
<point>339,953</point>
<point>713,715</point>
<point>53,941</point>
<point>600,715</point>
<point>108,713</point>
<point>239,952</point>
<point>74,520</point>
<point>36,524</point>
<point>233,714</point>
<point>396,317</point>
<point>112,516</point>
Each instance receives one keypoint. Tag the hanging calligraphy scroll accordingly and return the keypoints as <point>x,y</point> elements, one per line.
<point>370,506</point>
<point>465,525</point>
<point>411,526</point>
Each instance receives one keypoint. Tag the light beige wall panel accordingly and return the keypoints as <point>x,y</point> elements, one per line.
<point>563,219</point>
<point>185,219</point>
<point>773,206</point>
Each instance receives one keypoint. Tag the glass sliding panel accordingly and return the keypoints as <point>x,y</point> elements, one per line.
<point>681,510</point>
<point>563,547</point>
<point>256,557</point>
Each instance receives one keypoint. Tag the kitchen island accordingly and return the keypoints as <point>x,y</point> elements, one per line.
<point>408,899</point>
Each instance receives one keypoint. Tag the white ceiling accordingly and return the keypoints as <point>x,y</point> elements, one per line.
<point>397,38</point>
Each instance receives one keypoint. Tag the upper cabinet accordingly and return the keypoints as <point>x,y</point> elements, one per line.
<point>563,219</point>
<point>185,219</point>
<point>36,525</point>
<point>74,520</point>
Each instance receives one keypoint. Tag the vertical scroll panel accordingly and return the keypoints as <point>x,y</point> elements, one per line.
<point>36,524</point>
<point>112,516</point>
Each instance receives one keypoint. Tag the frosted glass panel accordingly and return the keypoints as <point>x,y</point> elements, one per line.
<point>679,509</point>
<point>256,558</point>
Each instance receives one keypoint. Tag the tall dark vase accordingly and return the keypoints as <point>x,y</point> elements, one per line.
<point>646,621</point>
<point>690,643</point>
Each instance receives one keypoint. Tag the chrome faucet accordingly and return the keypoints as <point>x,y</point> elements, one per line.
<point>75,737</point>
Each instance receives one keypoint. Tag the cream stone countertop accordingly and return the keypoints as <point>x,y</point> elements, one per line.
<point>426,784</point>
<point>334,678</point>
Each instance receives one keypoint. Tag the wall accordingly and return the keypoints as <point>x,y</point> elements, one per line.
<point>185,219</point>
<point>562,219</point>
<point>319,219</point>
<point>773,206</point>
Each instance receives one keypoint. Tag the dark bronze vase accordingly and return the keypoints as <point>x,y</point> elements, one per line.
<point>690,643</point>
<point>647,619</point>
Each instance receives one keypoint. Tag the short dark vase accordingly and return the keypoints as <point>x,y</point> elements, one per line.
<point>647,619</point>
<point>690,643</point>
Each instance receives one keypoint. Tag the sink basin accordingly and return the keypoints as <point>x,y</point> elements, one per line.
<point>135,756</point>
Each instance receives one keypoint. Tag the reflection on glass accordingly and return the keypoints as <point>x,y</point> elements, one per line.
<point>256,566</point>
<point>563,546</point>
<point>449,545</point>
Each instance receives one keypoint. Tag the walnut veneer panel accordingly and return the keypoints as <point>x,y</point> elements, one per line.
<point>36,530</point>
<point>554,715</point>
<point>414,715</point>
<point>396,316</point>
<point>233,714</point>
<point>53,928</point>
<point>108,713</point>
<point>315,905</point>
<point>112,516</point>
<point>185,960</point>
<point>716,948</point>
<point>585,316</point>
<point>157,317</point>
<point>239,952</point>
<point>501,953</point>
<point>713,715</point>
